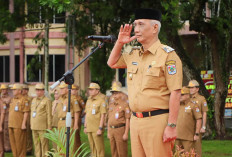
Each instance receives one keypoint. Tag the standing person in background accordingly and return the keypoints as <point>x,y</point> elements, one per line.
<point>154,79</point>
<point>188,122</point>
<point>2,115</point>
<point>196,98</point>
<point>29,132</point>
<point>78,101</point>
<point>62,110</point>
<point>94,120</point>
<point>118,122</point>
<point>6,99</point>
<point>41,119</point>
<point>54,112</point>
<point>18,115</point>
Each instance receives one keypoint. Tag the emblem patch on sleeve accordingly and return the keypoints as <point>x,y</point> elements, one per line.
<point>197,109</point>
<point>171,67</point>
<point>205,103</point>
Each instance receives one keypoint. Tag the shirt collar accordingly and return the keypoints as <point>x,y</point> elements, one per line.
<point>40,98</point>
<point>153,48</point>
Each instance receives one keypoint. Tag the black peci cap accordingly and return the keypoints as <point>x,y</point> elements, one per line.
<point>151,14</point>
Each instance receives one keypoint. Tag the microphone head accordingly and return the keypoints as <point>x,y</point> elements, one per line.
<point>109,38</point>
<point>113,38</point>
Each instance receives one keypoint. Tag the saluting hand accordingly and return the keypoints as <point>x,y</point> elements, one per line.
<point>124,35</point>
<point>169,134</point>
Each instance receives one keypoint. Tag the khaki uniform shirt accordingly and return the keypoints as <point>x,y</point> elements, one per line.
<point>62,107</point>
<point>78,100</point>
<point>199,99</point>
<point>95,107</point>
<point>41,113</point>
<point>54,113</point>
<point>18,107</point>
<point>151,76</point>
<point>2,110</point>
<point>186,121</point>
<point>6,101</point>
<point>118,112</point>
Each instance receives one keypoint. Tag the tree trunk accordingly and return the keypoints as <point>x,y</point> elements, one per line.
<point>221,89</point>
<point>188,67</point>
<point>46,53</point>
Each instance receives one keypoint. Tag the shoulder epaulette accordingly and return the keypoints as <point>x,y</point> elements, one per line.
<point>167,48</point>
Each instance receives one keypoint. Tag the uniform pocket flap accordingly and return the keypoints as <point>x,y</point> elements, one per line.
<point>132,69</point>
<point>154,71</point>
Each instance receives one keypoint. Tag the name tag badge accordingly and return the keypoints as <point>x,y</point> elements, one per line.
<point>93,111</point>
<point>16,108</point>
<point>116,115</point>
<point>64,108</point>
<point>34,114</point>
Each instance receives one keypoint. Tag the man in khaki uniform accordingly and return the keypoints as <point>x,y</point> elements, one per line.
<point>54,112</point>
<point>188,122</point>
<point>2,114</point>
<point>29,132</point>
<point>199,99</point>
<point>78,101</point>
<point>18,112</point>
<point>41,119</point>
<point>94,120</point>
<point>62,109</point>
<point>6,100</point>
<point>154,79</point>
<point>118,122</point>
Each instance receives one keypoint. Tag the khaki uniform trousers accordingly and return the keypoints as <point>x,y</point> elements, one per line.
<point>40,142</point>
<point>119,147</point>
<point>29,136</point>
<point>18,141</point>
<point>185,144</point>
<point>96,144</point>
<point>6,133</point>
<point>1,145</point>
<point>53,143</point>
<point>198,145</point>
<point>147,136</point>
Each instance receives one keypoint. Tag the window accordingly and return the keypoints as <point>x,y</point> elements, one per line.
<point>17,68</point>
<point>56,67</point>
<point>37,14</point>
<point>4,69</point>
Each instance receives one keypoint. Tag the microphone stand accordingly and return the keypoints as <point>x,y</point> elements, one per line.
<point>69,79</point>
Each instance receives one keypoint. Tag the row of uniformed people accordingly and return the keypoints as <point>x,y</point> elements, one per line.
<point>42,115</point>
<point>191,122</point>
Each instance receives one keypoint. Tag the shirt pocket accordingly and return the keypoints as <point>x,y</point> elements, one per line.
<point>96,107</point>
<point>152,77</point>
<point>131,72</point>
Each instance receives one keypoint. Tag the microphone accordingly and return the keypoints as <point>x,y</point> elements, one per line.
<point>108,39</point>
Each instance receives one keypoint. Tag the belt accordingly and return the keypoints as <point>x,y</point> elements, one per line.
<point>118,126</point>
<point>64,118</point>
<point>150,113</point>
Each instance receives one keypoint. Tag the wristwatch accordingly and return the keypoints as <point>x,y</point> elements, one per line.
<point>172,125</point>
<point>100,128</point>
<point>204,127</point>
<point>197,134</point>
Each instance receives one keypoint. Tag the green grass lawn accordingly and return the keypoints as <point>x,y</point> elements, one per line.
<point>210,148</point>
